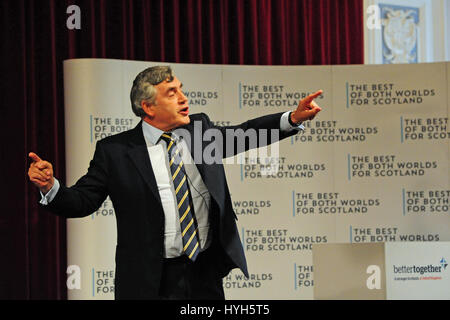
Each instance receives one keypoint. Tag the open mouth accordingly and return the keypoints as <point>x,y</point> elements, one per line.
<point>184,111</point>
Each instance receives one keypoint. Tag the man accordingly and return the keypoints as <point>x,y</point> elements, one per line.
<point>176,230</point>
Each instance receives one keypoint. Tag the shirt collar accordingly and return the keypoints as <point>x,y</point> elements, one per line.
<point>152,134</point>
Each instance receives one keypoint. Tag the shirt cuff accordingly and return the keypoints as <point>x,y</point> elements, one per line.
<point>48,197</point>
<point>285,124</point>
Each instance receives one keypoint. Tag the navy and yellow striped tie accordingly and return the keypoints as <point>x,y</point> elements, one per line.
<point>185,208</point>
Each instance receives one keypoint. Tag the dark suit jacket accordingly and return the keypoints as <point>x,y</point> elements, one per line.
<point>121,168</point>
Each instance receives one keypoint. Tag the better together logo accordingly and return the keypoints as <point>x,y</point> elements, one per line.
<point>422,272</point>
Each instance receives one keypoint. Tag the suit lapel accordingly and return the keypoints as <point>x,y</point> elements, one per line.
<point>210,173</point>
<point>138,154</point>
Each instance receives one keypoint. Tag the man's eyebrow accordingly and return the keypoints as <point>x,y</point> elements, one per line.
<point>174,87</point>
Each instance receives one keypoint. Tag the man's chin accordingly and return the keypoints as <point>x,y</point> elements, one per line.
<point>184,121</point>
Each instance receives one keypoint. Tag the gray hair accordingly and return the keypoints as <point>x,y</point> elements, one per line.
<point>143,86</point>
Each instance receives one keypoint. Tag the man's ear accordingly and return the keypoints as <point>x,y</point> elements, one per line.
<point>148,108</point>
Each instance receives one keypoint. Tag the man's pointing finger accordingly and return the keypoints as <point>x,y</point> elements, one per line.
<point>314,95</point>
<point>34,157</point>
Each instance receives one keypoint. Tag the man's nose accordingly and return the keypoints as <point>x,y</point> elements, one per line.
<point>182,98</point>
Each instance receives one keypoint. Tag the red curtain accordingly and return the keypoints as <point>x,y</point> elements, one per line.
<point>260,32</point>
<point>34,42</point>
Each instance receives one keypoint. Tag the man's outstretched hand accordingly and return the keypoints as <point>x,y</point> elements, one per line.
<point>307,108</point>
<point>41,173</point>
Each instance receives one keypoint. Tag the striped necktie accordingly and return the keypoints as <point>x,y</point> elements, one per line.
<point>185,208</point>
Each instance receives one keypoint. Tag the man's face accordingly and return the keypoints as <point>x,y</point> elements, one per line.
<point>171,109</point>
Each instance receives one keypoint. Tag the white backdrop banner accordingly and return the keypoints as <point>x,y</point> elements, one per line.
<point>371,167</point>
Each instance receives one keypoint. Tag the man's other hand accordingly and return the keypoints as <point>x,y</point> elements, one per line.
<point>41,173</point>
<point>307,108</point>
